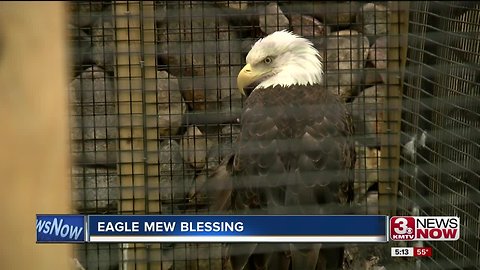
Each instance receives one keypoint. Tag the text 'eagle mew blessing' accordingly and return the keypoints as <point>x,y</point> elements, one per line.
<point>294,153</point>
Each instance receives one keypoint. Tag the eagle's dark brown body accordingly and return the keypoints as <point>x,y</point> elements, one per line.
<point>294,155</point>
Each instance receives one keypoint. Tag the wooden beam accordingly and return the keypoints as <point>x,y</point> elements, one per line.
<point>136,84</point>
<point>34,155</point>
<point>390,139</point>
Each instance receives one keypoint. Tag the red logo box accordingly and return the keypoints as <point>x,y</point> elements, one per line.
<point>402,228</point>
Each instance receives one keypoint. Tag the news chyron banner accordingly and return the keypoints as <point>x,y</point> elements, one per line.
<point>211,228</point>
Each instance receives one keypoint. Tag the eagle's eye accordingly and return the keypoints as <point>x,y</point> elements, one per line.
<point>267,60</point>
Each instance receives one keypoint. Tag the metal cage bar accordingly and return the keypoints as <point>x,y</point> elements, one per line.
<point>440,125</point>
<point>199,47</point>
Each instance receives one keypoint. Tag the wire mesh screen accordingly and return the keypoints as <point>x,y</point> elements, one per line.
<point>155,109</point>
<point>440,127</point>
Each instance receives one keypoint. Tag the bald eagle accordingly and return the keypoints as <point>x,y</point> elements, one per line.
<point>294,153</point>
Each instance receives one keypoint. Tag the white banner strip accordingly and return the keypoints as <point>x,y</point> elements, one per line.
<point>237,239</point>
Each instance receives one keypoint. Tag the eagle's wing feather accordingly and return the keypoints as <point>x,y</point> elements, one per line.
<point>294,155</point>
<point>253,168</point>
<point>258,157</point>
<point>323,180</point>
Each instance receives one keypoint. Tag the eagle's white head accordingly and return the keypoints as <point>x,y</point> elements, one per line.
<point>281,58</point>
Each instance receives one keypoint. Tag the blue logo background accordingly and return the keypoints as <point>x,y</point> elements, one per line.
<point>60,228</point>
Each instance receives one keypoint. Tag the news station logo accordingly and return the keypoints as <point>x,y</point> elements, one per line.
<point>410,228</point>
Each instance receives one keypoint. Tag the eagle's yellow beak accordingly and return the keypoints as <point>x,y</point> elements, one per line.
<point>247,76</point>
